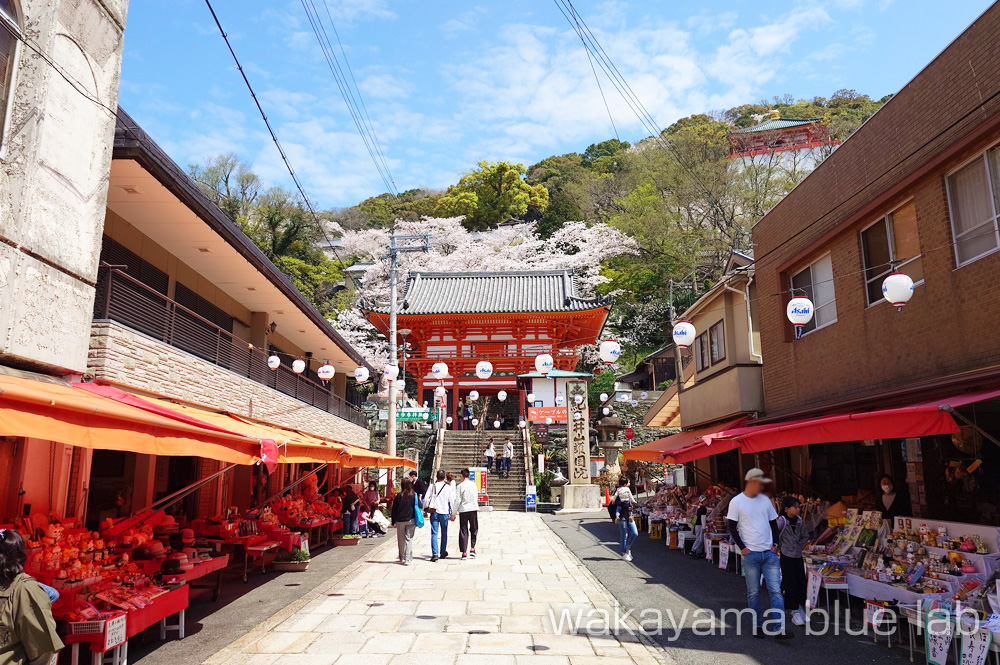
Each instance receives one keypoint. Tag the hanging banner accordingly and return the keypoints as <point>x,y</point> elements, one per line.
<point>814,583</point>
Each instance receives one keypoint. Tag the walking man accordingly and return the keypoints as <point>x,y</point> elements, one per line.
<point>439,505</point>
<point>467,508</point>
<point>508,454</point>
<point>753,526</point>
<point>419,486</point>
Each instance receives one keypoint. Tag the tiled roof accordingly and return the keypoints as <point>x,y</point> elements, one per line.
<point>493,292</point>
<point>773,124</point>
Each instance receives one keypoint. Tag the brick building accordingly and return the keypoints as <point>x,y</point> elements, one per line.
<point>916,188</point>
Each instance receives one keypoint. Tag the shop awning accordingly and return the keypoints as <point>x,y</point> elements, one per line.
<point>56,411</point>
<point>661,449</point>
<point>923,419</point>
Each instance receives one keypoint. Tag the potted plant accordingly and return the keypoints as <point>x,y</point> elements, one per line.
<point>294,561</point>
<point>341,539</point>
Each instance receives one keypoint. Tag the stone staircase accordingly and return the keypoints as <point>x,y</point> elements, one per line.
<point>463,449</point>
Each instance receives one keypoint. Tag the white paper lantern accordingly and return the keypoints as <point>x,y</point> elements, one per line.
<point>390,372</point>
<point>522,423</point>
<point>610,350</point>
<point>643,395</point>
<point>274,362</point>
<point>502,395</point>
<point>484,369</point>
<point>474,395</point>
<point>548,421</point>
<point>361,374</point>
<point>635,402</point>
<point>448,420</point>
<point>326,372</point>
<point>298,365</point>
<point>560,399</point>
<point>543,363</point>
<point>897,288</point>
<point>684,334</point>
<point>531,399</point>
<point>496,424</point>
<point>439,370</point>
<point>400,385</point>
<point>475,422</point>
<point>604,397</point>
<point>799,312</point>
<point>440,391</point>
<point>577,416</point>
<point>606,410</point>
<point>578,399</point>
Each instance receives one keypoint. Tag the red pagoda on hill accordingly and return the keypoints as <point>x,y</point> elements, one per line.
<point>779,134</point>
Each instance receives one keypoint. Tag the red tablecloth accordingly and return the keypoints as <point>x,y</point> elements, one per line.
<point>286,539</point>
<point>209,566</point>
<point>169,603</point>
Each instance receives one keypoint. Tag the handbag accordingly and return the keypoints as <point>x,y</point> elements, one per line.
<point>432,500</point>
<point>418,515</point>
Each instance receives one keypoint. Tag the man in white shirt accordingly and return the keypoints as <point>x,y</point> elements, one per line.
<point>508,454</point>
<point>467,509</point>
<point>438,504</point>
<point>753,527</point>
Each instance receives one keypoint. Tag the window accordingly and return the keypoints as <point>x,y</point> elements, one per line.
<point>816,283</point>
<point>9,42</point>
<point>717,340</point>
<point>892,239</point>
<point>974,199</point>
<point>701,352</point>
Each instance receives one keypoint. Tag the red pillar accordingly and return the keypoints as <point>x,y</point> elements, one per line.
<point>453,407</point>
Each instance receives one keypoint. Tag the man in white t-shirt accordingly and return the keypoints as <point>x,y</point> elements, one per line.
<point>753,527</point>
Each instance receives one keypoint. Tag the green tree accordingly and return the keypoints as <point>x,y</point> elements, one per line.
<point>490,194</point>
<point>230,183</point>
<point>608,148</point>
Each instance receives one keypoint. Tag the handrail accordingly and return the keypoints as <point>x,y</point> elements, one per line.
<point>126,300</point>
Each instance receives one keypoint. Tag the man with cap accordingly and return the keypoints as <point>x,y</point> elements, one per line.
<point>753,527</point>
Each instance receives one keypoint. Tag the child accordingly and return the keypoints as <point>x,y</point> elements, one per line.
<point>363,524</point>
<point>792,538</point>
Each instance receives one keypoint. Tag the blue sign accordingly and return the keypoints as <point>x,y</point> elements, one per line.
<point>530,498</point>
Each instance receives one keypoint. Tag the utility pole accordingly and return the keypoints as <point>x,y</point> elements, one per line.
<point>394,250</point>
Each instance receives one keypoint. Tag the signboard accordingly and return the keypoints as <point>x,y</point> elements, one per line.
<point>541,433</point>
<point>708,548</point>
<point>530,497</point>
<point>814,583</point>
<point>874,614</point>
<point>477,474</point>
<point>304,544</point>
<point>938,633</point>
<point>538,414</point>
<point>629,433</point>
<point>114,632</point>
<point>410,415</point>
<point>681,537</point>
<point>975,647</point>
<point>578,439</point>
<point>541,463</point>
<point>723,555</point>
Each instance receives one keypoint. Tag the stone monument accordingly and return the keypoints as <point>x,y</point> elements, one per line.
<point>579,494</point>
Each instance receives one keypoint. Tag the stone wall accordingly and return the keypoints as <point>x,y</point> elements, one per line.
<point>54,171</point>
<point>124,356</point>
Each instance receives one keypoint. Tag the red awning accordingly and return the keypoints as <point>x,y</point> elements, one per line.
<point>916,420</point>
<point>657,451</point>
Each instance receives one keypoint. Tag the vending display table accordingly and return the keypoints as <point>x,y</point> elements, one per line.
<point>214,565</point>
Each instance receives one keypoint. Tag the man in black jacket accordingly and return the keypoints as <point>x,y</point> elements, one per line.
<point>419,486</point>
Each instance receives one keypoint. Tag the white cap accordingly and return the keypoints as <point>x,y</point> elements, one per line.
<point>758,475</point>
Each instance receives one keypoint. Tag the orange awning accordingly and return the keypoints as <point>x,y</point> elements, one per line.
<point>661,449</point>
<point>55,411</point>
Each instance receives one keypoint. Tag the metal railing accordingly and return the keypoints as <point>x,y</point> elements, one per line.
<point>128,301</point>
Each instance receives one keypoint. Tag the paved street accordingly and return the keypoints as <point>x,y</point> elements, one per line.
<point>493,610</point>
<point>672,583</point>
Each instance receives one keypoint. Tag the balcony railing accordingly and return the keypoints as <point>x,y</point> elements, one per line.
<point>130,302</point>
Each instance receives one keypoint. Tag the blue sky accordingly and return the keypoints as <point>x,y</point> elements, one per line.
<point>449,83</point>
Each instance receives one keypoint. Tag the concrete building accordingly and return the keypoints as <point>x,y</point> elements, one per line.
<point>60,64</point>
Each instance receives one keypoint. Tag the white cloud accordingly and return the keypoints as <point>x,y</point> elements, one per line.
<point>467,21</point>
<point>350,10</point>
<point>383,86</point>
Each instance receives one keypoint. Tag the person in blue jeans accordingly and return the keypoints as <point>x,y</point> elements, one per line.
<point>439,504</point>
<point>753,526</point>
<point>626,523</point>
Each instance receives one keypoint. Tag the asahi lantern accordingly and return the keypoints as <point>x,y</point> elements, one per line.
<point>502,395</point>
<point>475,422</point>
<point>496,424</point>
<point>604,397</point>
<point>439,370</point>
<point>361,374</point>
<point>560,399</point>
<point>531,398</point>
<point>610,350</point>
<point>578,399</point>
<point>449,420</point>
<point>543,363</point>
<point>400,385</point>
<point>522,423</point>
<point>605,410</point>
<point>298,365</point>
<point>440,391</point>
<point>548,421</point>
<point>799,312</point>
<point>897,288</point>
<point>684,334</point>
<point>484,369</point>
<point>390,372</point>
<point>474,395</point>
<point>274,362</point>
<point>326,372</point>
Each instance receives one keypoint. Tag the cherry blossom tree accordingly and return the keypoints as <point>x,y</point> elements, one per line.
<point>576,246</point>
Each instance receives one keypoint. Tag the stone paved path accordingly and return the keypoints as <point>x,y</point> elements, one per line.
<point>492,610</point>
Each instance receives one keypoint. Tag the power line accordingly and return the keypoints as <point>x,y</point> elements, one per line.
<point>274,137</point>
